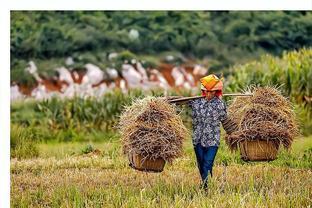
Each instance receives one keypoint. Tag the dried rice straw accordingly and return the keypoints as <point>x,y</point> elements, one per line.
<point>151,128</point>
<point>267,115</point>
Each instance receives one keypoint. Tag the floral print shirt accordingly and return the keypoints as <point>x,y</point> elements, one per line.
<point>207,116</point>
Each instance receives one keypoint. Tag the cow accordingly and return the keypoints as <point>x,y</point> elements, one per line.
<point>131,76</point>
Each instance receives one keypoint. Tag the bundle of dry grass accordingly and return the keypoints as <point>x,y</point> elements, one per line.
<point>151,128</point>
<point>267,115</point>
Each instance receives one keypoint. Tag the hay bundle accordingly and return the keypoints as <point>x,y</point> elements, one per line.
<point>267,115</point>
<point>151,128</point>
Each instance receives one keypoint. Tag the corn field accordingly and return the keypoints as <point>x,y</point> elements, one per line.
<point>292,73</point>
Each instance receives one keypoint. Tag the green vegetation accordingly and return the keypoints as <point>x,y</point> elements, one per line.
<point>94,119</point>
<point>77,119</point>
<point>92,113</point>
<point>23,143</point>
<point>291,73</point>
<point>87,149</point>
<point>217,39</point>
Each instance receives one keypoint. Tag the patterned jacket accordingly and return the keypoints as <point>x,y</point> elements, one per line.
<point>207,116</point>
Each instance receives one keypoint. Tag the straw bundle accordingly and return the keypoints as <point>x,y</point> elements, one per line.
<point>267,115</point>
<point>151,128</point>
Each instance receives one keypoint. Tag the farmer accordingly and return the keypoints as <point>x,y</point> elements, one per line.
<point>207,113</point>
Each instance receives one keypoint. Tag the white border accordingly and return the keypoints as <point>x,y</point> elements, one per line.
<point>5,109</point>
<point>161,5</point>
<point>99,5</point>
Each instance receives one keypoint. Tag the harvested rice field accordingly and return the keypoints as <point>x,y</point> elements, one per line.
<point>59,178</point>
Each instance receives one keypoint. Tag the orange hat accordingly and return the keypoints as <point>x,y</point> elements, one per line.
<point>211,83</point>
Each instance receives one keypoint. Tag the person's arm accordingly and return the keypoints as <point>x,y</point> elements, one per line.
<point>228,125</point>
<point>223,113</point>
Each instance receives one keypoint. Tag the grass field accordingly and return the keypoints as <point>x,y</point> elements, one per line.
<point>64,177</point>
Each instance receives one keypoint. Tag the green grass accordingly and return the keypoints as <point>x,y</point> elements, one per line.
<point>23,143</point>
<point>302,144</point>
<point>63,177</point>
<point>62,150</point>
<point>299,156</point>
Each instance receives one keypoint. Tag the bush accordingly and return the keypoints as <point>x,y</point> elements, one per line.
<point>23,142</point>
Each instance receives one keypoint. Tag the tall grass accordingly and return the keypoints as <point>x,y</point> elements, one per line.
<point>23,142</point>
<point>90,113</point>
<point>78,119</point>
<point>292,73</point>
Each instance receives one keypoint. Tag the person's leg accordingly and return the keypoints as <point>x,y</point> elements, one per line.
<point>209,156</point>
<point>199,152</point>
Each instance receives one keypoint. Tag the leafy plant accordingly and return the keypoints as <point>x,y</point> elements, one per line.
<point>87,149</point>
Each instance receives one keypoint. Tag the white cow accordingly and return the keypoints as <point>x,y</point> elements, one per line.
<point>94,74</point>
<point>64,75</point>
<point>15,93</point>
<point>160,79</point>
<point>177,76</point>
<point>69,91</point>
<point>40,93</point>
<point>142,71</point>
<point>132,77</point>
<point>100,90</point>
<point>112,73</point>
<point>200,70</point>
<point>188,77</point>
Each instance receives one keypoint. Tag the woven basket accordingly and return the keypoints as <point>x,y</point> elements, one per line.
<point>258,150</point>
<point>145,164</point>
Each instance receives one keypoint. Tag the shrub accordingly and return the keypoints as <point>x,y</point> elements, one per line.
<point>23,142</point>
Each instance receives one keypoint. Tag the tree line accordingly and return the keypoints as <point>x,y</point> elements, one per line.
<point>222,37</point>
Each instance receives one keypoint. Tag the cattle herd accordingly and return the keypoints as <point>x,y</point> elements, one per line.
<point>93,81</point>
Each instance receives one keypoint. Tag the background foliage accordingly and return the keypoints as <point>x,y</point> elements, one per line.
<point>292,73</point>
<point>219,38</point>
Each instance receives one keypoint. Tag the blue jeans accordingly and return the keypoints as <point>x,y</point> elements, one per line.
<point>205,157</point>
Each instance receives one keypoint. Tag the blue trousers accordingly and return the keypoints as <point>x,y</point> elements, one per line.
<point>205,157</point>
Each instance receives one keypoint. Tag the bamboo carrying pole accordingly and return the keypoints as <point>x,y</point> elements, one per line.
<point>201,96</point>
